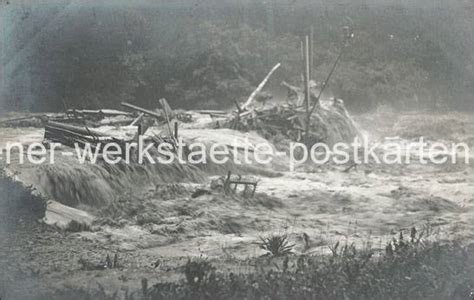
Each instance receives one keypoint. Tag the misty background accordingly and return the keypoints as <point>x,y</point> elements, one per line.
<point>207,54</point>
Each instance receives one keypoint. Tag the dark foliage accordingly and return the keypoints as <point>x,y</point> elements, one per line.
<point>409,268</point>
<point>209,54</point>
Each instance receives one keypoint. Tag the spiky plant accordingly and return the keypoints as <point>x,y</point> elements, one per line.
<point>276,245</point>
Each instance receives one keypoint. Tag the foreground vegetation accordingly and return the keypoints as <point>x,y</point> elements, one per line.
<point>408,268</point>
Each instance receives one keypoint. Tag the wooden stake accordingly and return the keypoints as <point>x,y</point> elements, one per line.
<point>176,130</point>
<point>302,51</point>
<point>139,130</point>
<point>227,182</point>
<point>139,133</point>
<point>302,60</point>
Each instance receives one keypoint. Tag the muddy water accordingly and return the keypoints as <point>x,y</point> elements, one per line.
<point>160,220</point>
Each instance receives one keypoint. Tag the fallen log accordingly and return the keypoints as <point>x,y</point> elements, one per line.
<point>100,113</point>
<point>213,112</point>
<point>259,87</point>
<point>143,110</point>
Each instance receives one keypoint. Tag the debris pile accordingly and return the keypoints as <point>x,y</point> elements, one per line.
<point>72,135</point>
<point>93,118</point>
<point>330,123</point>
<point>100,117</point>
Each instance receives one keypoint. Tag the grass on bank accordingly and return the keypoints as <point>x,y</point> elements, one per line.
<point>408,268</point>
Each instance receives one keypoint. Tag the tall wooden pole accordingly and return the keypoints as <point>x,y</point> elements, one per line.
<point>311,54</point>
<point>306,86</point>
<point>302,60</point>
<point>302,51</point>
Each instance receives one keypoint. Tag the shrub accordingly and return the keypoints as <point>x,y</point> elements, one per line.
<point>196,271</point>
<point>408,269</point>
<point>412,269</point>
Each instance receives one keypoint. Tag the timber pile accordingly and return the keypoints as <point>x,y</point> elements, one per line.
<point>70,135</point>
<point>285,120</point>
<point>100,117</point>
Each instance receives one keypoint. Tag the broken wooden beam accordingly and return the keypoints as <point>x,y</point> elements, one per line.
<point>143,110</point>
